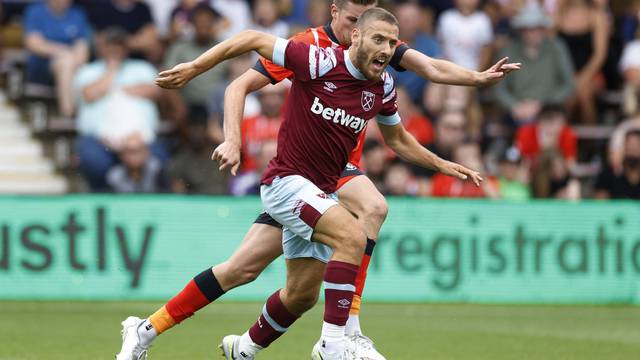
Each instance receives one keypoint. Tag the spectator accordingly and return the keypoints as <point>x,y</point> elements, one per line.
<point>409,17</point>
<point>197,92</point>
<point>450,133</point>
<point>584,27</point>
<point>548,74</point>
<point>317,13</point>
<point>139,171</point>
<point>616,141</point>
<point>513,179</point>
<point>182,21</point>
<point>191,170</point>
<point>236,12</point>
<point>248,183</point>
<point>263,126</point>
<point>135,17</point>
<point>374,161</point>
<point>630,68</point>
<point>266,18</point>
<point>465,34</point>
<point>626,183</point>
<point>57,38</point>
<point>550,131</point>
<point>116,96</point>
<point>470,156</point>
<point>413,119</point>
<point>551,177</point>
<point>399,181</point>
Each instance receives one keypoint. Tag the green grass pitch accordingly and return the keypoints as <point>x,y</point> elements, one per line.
<point>90,330</point>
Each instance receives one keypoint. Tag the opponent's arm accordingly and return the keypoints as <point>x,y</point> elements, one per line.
<point>227,154</point>
<point>446,72</point>
<point>407,147</point>
<point>237,45</point>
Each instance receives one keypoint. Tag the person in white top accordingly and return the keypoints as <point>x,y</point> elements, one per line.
<point>465,34</point>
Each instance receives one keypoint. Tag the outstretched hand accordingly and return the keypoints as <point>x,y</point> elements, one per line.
<point>497,72</point>
<point>460,172</point>
<point>177,77</point>
<point>227,155</point>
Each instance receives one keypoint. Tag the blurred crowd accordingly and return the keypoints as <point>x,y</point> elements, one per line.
<point>565,126</point>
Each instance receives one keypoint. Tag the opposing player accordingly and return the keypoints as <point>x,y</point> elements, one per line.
<point>262,244</point>
<point>319,131</point>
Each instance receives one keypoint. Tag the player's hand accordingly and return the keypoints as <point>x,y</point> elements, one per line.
<point>227,155</point>
<point>177,77</point>
<point>460,172</point>
<point>497,72</point>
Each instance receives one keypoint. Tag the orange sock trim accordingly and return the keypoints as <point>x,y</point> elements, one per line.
<point>355,305</point>
<point>161,320</point>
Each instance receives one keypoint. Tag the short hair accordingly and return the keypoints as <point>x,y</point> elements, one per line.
<point>550,110</point>
<point>115,35</point>
<point>378,14</point>
<point>341,3</point>
<point>632,133</point>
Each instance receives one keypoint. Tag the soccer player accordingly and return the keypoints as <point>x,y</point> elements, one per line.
<point>262,244</point>
<point>324,125</point>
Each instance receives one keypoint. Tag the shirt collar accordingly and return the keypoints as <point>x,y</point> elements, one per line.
<point>353,70</point>
<point>329,30</point>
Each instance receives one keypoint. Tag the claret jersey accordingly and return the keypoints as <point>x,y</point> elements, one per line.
<point>329,105</point>
<point>323,37</point>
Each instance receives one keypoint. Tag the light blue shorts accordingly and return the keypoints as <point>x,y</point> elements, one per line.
<point>298,204</point>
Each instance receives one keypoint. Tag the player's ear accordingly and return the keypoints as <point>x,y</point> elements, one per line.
<point>334,11</point>
<point>355,35</point>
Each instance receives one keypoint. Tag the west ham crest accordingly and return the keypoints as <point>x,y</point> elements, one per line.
<point>367,100</point>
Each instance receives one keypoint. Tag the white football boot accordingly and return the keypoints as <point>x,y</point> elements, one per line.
<point>364,348</point>
<point>132,349</point>
<point>230,351</point>
<point>348,354</point>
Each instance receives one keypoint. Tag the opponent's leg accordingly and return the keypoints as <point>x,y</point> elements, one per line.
<point>360,196</point>
<point>261,245</point>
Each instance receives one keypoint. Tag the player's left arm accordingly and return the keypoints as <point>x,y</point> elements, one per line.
<point>447,72</point>
<point>407,147</point>
<point>237,45</point>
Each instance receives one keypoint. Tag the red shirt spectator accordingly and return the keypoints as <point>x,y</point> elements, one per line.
<point>549,132</point>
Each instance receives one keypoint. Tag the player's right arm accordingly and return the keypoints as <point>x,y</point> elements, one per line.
<point>248,40</point>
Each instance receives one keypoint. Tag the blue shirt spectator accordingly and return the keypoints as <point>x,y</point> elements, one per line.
<point>64,28</point>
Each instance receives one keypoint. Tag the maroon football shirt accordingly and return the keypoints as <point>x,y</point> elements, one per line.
<point>328,106</point>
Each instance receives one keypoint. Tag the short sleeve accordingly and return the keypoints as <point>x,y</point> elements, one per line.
<point>307,62</point>
<point>83,25</point>
<point>30,22</point>
<point>388,115</point>
<point>630,56</point>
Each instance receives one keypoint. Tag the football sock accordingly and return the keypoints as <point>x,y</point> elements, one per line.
<point>274,321</point>
<point>199,292</point>
<point>353,324</point>
<point>246,346</point>
<point>146,332</point>
<point>339,286</point>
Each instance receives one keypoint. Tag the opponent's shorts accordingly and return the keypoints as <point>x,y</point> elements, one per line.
<point>298,204</point>
<point>350,171</point>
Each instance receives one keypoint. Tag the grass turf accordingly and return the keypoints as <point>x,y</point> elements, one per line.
<point>90,330</point>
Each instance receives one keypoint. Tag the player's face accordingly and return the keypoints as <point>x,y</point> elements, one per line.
<point>375,47</point>
<point>344,20</point>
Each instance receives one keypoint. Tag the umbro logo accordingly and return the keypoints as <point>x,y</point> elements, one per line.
<point>329,86</point>
<point>344,302</point>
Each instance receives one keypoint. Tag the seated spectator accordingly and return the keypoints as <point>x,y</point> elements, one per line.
<point>550,131</point>
<point>465,35</point>
<point>409,17</point>
<point>398,180</point>
<point>115,96</point>
<point>626,183</point>
<point>57,38</point>
<point>182,25</point>
<point>470,156</point>
<point>263,126</point>
<point>551,177</point>
<point>138,170</point>
<point>134,16</point>
<point>374,161</point>
<point>266,18</point>
<point>191,170</point>
<point>450,133</point>
<point>547,77</point>
<point>583,25</point>
<point>513,177</point>
<point>248,183</point>
<point>630,68</point>
<point>616,141</point>
<point>197,92</point>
